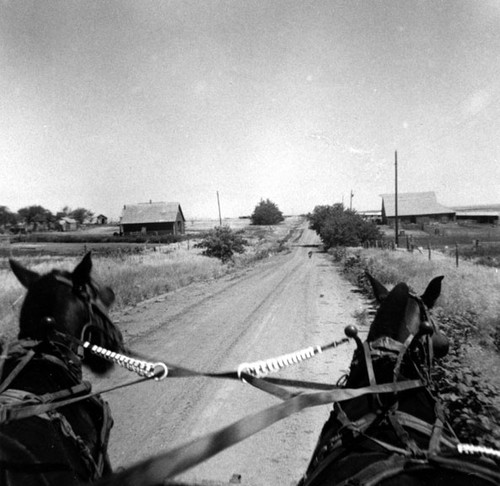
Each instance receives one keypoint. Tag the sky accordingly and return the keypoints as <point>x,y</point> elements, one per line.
<point>109,103</point>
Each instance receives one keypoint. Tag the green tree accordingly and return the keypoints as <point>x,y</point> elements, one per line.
<point>33,215</point>
<point>321,213</point>
<point>222,242</point>
<point>81,215</point>
<point>266,212</point>
<point>338,226</point>
<point>7,217</point>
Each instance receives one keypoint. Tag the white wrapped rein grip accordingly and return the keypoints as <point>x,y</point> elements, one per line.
<point>262,368</point>
<point>158,371</point>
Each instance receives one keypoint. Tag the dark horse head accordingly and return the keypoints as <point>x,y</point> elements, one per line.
<point>402,318</point>
<point>398,434</point>
<point>67,444</point>
<point>402,313</point>
<point>72,304</point>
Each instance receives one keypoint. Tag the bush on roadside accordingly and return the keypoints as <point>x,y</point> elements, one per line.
<point>337,226</point>
<point>222,242</point>
<point>266,212</point>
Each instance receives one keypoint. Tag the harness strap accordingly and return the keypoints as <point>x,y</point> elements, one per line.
<point>157,469</point>
<point>370,371</point>
<point>328,453</point>
<point>3,356</point>
<point>402,434</point>
<point>107,424</point>
<point>22,363</point>
<point>472,469</point>
<point>377,471</point>
<point>437,429</point>
<point>84,450</point>
<point>270,388</point>
<point>401,355</point>
<point>425,428</point>
<point>369,363</point>
<point>8,414</point>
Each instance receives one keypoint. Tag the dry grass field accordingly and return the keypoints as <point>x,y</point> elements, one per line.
<point>136,271</point>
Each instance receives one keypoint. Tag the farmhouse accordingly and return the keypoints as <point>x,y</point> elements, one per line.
<point>415,207</point>
<point>101,219</point>
<point>152,218</point>
<point>67,224</point>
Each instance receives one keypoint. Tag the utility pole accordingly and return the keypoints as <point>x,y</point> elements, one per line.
<point>396,228</point>
<point>218,204</point>
<point>350,203</point>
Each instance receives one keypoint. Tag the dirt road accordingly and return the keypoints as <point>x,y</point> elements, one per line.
<point>286,303</point>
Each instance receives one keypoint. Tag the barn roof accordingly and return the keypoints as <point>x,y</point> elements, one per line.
<point>67,220</point>
<point>152,212</point>
<point>478,212</point>
<point>413,204</point>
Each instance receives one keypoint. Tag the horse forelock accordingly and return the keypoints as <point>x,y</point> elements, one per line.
<point>48,298</point>
<point>390,316</point>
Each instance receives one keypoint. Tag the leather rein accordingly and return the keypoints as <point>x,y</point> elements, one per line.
<point>178,460</point>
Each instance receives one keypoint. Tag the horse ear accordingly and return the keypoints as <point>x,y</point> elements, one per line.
<point>25,276</point>
<point>432,292</point>
<point>379,291</point>
<point>81,273</point>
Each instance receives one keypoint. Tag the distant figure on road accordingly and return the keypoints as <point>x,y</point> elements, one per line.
<point>310,254</point>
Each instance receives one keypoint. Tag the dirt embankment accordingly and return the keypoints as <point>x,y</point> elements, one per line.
<point>286,303</point>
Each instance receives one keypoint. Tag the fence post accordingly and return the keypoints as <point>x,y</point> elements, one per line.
<point>456,253</point>
<point>429,247</point>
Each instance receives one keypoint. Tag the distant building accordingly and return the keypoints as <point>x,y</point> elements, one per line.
<point>415,207</point>
<point>478,214</point>
<point>373,216</point>
<point>152,218</point>
<point>101,219</point>
<point>67,224</point>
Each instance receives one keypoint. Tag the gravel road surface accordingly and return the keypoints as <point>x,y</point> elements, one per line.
<point>288,302</point>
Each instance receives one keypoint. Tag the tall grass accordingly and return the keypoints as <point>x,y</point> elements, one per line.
<point>143,276</point>
<point>468,289</point>
<point>133,278</point>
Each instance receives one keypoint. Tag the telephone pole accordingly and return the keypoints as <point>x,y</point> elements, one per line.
<point>396,229</point>
<point>218,204</point>
<point>350,203</point>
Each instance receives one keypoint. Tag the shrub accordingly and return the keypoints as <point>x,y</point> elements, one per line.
<point>222,242</point>
<point>337,226</point>
<point>266,212</point>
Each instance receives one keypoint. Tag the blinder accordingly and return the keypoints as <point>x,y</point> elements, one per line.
<point>96,310</point>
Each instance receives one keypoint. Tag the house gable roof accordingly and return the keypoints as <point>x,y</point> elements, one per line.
<point>66,220</point>
<point>413,204</point>
<point>154,212</point>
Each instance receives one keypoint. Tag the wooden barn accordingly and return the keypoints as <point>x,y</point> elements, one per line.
<point>479,214</point>
<point>415,207</point>
<point>152,218</point>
